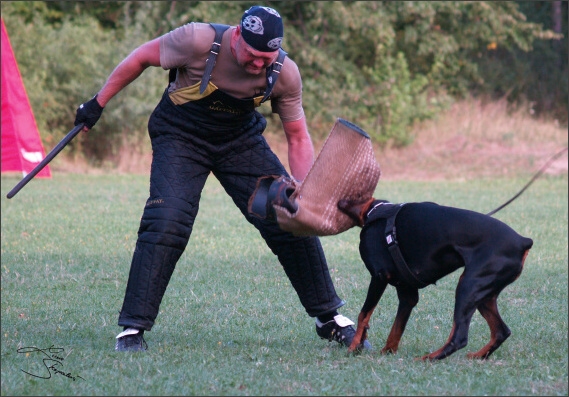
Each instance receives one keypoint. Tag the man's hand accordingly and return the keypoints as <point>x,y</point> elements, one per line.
<point>89,113</point>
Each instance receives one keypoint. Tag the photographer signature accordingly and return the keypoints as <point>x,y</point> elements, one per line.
<point>52,361</point>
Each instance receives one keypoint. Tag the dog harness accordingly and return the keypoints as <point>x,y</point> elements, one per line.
<point>389,211</point>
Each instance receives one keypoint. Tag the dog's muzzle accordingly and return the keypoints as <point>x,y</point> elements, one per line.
<point>345,169</point>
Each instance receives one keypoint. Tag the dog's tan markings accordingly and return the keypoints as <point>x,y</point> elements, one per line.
<point>437,354</point>
<point>361,331</point>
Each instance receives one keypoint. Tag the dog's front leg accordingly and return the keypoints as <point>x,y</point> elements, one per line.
<point>375,291</point>
<point>408,299</point>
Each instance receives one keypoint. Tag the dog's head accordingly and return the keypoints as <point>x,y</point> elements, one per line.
<point>357,210</point>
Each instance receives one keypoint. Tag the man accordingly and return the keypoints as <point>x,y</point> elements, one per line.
<point>206,122</point>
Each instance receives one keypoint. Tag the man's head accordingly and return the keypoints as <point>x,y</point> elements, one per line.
<point>262,28</point>
<point>257,39</point>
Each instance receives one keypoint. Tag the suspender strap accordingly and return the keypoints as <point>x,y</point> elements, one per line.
<point>210,62</point>
<point>391,237</point>
<point>172,75</point>
<point>273,72</point>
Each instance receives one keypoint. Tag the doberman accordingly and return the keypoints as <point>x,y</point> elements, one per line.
<point>412,245</point>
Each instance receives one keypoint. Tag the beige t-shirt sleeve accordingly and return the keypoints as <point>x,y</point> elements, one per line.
<point>286,98</point>
<point>187,48</point>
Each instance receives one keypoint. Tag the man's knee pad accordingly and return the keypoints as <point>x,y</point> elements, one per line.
<point>305,265</point>
<point>167,221</point>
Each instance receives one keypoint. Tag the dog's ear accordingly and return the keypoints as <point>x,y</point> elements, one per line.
<point>355,209</point>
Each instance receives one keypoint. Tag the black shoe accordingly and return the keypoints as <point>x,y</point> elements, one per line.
<point>339,329</point>
<point>131,340</point>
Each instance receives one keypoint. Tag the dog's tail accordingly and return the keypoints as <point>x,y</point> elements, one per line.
<point>537,175</point>
<point>527,244</point>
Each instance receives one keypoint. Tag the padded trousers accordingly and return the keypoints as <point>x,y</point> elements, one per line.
<point>183,158</point>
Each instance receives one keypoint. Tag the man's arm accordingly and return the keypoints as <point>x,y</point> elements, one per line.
<point>129,69</point>
<point>126,72</point>
<point>300,148</point>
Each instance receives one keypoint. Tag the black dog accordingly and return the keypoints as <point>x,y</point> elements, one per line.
<point>413,245</point>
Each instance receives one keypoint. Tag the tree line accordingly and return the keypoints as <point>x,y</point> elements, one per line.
<point>381,64</point>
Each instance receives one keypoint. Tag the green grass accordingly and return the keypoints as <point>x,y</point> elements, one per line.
<point>230,323</point>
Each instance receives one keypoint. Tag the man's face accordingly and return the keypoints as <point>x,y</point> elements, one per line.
<point>253,61</point>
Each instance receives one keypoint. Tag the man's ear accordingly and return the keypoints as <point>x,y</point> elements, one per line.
<point>235,35</point>
<point>238,30</point>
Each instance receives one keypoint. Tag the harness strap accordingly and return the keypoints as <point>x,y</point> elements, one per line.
<point>393,246</point>
<point>210,62</point>
<point>390,213</point>
<point>273,72</point>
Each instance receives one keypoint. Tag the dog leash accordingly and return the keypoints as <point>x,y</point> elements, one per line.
<point>537,175</point>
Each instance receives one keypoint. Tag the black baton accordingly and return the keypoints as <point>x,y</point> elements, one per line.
<point>70,135</point>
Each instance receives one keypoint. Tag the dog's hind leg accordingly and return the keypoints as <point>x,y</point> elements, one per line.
<point>408,299</point>
<point>499,331</point>
<point>464,308</point>
<point>376,288</point>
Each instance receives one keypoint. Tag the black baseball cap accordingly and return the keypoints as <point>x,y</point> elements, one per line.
<point>262,28</point>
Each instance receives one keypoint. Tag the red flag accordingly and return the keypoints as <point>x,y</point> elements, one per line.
<point>22,149</point>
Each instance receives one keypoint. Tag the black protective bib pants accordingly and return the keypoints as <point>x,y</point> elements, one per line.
<point>222,135</point>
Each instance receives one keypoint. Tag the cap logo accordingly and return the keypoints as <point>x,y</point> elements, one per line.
<point>253,24</point>
<point>275,43</point>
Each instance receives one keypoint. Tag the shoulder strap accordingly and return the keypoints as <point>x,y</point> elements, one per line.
<point>273,72</point>
<point>210,62</point>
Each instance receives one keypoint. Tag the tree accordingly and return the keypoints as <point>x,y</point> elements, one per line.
<point>381,64</point>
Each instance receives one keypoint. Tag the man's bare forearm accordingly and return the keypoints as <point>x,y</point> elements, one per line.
<point>300,148</point>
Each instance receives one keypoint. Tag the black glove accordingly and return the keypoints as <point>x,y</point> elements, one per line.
<point>272,190</point>
<point>89,113</point>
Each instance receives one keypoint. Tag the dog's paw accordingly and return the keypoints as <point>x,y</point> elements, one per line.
<point>388,350</point>
<point>356,351</point>
<point>356,347</point>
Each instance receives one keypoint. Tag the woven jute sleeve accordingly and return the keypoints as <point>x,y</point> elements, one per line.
<point>345,168</point>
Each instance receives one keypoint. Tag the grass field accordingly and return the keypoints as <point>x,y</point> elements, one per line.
<point>231,324</point>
